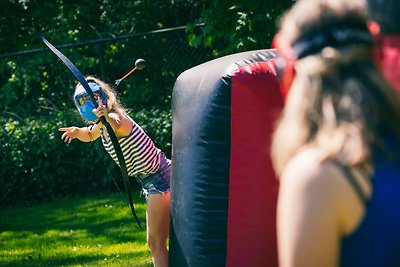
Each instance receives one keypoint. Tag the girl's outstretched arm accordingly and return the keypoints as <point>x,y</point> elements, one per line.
<point>84,134</point>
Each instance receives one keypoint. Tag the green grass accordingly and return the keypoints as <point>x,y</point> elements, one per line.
<point>93,231</point>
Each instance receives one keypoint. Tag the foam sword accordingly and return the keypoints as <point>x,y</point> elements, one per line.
<point>110,131</point>
<point>139,65</point>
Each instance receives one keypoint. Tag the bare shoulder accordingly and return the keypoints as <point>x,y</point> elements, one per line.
<point>124,124</point>
<point>307,168</point>
<point>310,182</point>
<point>323,188</point>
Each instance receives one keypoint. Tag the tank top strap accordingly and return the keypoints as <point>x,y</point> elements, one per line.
<point>353,181</point>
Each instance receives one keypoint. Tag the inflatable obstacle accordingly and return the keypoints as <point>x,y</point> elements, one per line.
<point>224,190</point>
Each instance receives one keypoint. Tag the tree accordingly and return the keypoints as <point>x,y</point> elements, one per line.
<point>235,26</point>
<point>36,88</point>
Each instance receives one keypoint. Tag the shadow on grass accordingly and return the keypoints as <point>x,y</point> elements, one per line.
<point>126,259</point>
<point>74,231</point>
<point>95,214</point>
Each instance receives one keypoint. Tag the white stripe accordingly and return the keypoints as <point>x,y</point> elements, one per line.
<point>140,153</point>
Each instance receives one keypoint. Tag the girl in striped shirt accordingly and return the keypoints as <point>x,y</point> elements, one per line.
<point>143,159</point>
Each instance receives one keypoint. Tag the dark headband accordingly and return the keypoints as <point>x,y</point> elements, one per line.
<point>333,36</point>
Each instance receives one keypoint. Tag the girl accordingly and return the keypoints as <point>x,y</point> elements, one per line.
<point>337,145</point>
<point>143,159</point>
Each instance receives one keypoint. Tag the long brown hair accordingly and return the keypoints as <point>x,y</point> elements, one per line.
<point>339,101</point>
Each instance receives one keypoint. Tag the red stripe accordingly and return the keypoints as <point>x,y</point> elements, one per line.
<point>390,46</point>
<point>256,103</point>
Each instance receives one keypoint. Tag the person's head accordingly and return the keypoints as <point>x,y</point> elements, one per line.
<point>101,90</point>
<point>337,99</point>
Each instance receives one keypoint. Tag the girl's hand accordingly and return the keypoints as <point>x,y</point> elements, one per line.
<point>101,110</point>
<point>69,134</point>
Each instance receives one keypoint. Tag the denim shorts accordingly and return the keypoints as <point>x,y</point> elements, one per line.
<point>158,182</point>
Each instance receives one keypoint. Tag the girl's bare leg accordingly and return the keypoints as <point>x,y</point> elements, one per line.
<point>157,216</point>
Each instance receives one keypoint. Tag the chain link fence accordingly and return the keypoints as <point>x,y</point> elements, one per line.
<point>38,80</point>
<point>36,99</point>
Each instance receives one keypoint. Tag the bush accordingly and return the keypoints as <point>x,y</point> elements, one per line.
<point>36,165</point>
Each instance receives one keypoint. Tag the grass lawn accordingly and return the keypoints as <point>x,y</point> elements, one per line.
<point>92,231</point>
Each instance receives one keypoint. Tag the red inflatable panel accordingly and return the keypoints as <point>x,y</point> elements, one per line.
<point>390,50</point>
<point>253,186</point>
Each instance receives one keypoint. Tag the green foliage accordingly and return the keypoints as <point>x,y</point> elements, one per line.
<point>38,83</point>
<point>38,166</point>
<point>95,231</point>
<point>36,88</point>
<point>236,26</point>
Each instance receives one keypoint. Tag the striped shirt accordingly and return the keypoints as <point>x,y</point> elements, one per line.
<point>140,154</point>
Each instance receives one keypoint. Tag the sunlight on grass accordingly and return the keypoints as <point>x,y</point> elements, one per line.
<point>96,231</point>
